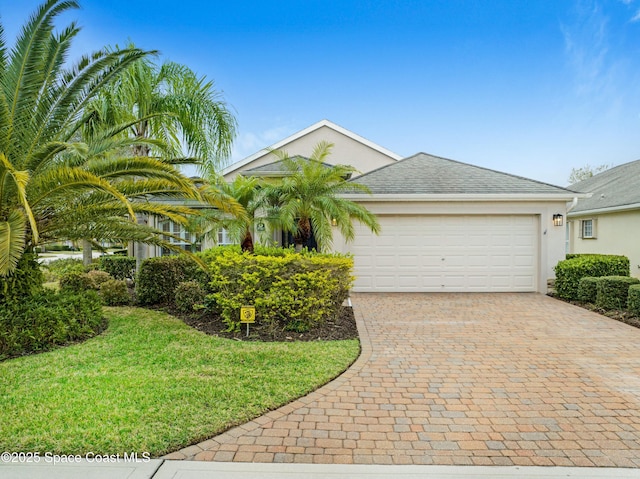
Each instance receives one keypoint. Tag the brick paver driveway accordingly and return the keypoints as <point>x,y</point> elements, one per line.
<point>489,379</point>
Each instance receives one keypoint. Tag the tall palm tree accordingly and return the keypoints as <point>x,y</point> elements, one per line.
<point>173,106</point>
<point>41,103</point>
<point>310,200</point>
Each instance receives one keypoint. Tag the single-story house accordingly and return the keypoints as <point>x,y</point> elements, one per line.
<point>446,226</point>
<point>608,222</point>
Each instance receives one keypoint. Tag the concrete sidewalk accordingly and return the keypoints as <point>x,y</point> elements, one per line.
<point>166,469</point>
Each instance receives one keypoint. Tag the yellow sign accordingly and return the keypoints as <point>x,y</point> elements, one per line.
<point>248,314</point>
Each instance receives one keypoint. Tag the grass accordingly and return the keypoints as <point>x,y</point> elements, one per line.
<point>150,383</point>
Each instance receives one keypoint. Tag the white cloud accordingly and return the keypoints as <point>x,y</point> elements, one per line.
<point>248,143</point>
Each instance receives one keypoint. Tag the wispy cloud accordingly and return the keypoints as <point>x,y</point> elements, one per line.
<point>586,47</point>
<point>249,142</point>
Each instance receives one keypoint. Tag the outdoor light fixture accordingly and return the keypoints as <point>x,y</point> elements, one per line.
<point>334,222</point>
<point>557,220</point>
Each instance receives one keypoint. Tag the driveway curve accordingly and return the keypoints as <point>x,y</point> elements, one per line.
<point>462,379</point>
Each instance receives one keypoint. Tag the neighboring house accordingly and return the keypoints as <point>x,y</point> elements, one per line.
<point>608,222</point>
<point>446,226</point>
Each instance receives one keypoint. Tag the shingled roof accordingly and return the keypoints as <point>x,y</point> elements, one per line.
<point>428,174</point>
<point>618,187</point>
<point>277,168</point>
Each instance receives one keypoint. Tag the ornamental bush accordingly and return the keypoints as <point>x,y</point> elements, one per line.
<point>633,300</point>
<point>55,269</point>
<point>115,292</point>
<point>587,289</point>
<point>76,282</point>
<point>159,277</point>
<point>570,271</point>
<point>119,267</point>
<point>98,277</point>
<point>188,295</point>
<point>291,291</point>
<point>613,291</point>
<point>24,281</point>
<point>48,319</point>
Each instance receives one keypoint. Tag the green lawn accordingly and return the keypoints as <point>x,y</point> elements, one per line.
<point>152,384</point>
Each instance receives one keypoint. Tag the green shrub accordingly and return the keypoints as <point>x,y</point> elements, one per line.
<point>55,269</point>
<point>26,280</point>
<point>98,277</point>
<point>613,291</point>
<point>587,289</point>
<point>48,319</point>
<point>189,294</point>
<point>119,267</point>
<point>633,300</point>
<point>115,292</point>
<point>291,291</point>
<point>76,282</point>
<point>159,277</point>
<point>569,272</point>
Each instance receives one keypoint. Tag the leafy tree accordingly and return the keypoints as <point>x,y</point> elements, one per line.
<point>165,107</point>
<point>310,201</point>
<point>41,103</point>
<point>586,172</point>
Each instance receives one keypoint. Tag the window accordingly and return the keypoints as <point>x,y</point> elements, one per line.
<point>180,237</point>
<point>588,229</point>
<point>223,237</point>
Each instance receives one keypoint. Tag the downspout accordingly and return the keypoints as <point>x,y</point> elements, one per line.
<point>573,204</point>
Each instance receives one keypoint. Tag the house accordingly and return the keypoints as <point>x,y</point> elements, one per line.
<point>608,222</point>
<point>447,226</point>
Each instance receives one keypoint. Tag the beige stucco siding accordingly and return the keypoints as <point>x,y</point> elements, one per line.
<point>616,233</point>
<point>346,151</point>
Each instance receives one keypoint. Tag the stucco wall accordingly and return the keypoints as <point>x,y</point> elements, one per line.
<point>551,241</point>
<point>346,151</point>
<point>616,233</point>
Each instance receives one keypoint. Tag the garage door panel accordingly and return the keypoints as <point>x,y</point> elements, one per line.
<point>448,253</point>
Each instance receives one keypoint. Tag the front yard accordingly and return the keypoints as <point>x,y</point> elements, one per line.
<point>150,383</point>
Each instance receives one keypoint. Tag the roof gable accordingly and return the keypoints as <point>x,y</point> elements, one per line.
<point>432,175</point>
<point>317,130</point>
<point>616,188</point>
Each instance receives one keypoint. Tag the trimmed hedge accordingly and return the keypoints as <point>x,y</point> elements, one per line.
<point>633,300</point>
<point>76,282</point>
<point>119,267</point>
<point>25,280</point>
<point>188,295</point>
<point>587,289</point>
<point>159,277</point>
<point>48,319</point>
<point>613,291</point>
<point>292,291</point>
<point>569,272</point>
<point>115,292</point>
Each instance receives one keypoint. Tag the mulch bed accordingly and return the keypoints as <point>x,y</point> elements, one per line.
<point>342,327</point>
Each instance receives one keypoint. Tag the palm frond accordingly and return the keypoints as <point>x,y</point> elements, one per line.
<point>12,241</point>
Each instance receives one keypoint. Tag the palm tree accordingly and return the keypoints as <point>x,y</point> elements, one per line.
<point>310,200</point>
<point>247,194</point>
<point>41,103</point>
<point>171,105</point>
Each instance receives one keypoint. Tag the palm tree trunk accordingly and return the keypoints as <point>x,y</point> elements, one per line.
<point>247,242</point>
<point>87,252</point>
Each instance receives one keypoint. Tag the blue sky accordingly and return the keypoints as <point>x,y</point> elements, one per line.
<point>532,87</point>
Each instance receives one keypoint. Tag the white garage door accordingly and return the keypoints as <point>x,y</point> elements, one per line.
<point>448,253</point>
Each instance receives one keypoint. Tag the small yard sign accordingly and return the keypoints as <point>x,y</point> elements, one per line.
<point>248,314</point>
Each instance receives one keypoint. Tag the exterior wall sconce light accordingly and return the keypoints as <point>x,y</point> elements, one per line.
<point>334,222</point>
<point>558,220</point>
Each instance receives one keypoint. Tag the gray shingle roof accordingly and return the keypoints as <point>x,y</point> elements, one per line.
<point>615,187</point>
<point>277,167</point>
<point>427,174</point>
